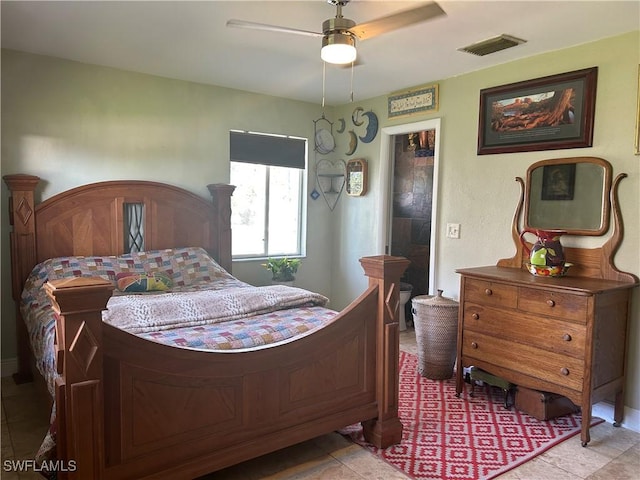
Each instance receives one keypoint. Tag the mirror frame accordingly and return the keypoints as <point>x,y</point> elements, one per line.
<point>357,185</point>
<point>606,201</point>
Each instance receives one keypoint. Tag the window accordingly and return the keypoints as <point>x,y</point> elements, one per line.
<point>269,172</point>
<point>134,227</point>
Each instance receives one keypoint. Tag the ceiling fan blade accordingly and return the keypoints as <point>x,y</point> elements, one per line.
<point>270,28</point>
<point>397,20</point>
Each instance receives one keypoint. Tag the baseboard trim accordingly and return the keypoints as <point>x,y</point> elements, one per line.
<point>8,366</point>
<point>605,410</point>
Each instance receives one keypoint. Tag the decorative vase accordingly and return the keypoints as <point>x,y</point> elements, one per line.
<point>547,250</point>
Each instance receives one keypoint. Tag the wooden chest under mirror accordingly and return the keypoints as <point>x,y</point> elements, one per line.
<point>561,334</point>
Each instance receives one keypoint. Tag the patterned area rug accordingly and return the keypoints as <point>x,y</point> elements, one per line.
<point>447,438</point>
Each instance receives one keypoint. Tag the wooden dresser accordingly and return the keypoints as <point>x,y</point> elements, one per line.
<point>562,335</point>
<point>565,335</point>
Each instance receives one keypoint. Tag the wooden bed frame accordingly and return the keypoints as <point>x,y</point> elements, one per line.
<point>128,408</point>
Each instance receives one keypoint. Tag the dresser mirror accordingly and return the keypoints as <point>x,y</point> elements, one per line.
<point>568,194</point>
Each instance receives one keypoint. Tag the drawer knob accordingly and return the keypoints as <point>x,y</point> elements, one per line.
<point>488,291</point>
<point>551,303</point>
<point>474,345</point>
<point>566,337</point>
<point>564,371</point>
<point>475,316</point>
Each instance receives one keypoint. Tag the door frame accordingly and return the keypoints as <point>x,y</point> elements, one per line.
<point>385,180</point>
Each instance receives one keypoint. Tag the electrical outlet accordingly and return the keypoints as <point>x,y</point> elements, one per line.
<point>453,230</point>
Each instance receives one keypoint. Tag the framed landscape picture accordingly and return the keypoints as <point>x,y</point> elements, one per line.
<point>547,113</point>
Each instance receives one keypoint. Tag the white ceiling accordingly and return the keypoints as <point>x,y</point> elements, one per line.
<point>189,40</point>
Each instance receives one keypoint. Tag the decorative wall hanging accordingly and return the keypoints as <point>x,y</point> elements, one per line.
<point>547,113</point>
<point>357,177</point>
<point>341,125</point>
<point>410,102</point>
<point>353,142</point>
<point>372,127</point>
<point>330,175</point>
<point>356,116</point>
<point>323,136</point>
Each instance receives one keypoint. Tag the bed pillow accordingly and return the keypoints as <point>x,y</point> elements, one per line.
<point>143,282</point>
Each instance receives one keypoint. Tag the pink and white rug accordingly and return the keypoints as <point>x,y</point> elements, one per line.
<point>447,438</point>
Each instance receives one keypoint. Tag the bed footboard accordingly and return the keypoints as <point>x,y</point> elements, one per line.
<point>131,408</point>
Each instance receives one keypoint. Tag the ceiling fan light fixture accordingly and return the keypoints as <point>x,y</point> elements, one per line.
<point>338,48</point>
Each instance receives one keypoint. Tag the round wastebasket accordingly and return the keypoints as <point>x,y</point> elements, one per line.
<point>436,323</point>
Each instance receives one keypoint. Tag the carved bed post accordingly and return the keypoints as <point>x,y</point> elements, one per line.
<point>78,303</point>
<point>23,257</point>
<point>221,196</point>
<point>385,271</point>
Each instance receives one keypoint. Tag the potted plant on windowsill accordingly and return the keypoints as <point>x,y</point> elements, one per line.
<point>282,269</point>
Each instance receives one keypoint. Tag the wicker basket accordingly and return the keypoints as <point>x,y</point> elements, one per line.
<point>436,324</point>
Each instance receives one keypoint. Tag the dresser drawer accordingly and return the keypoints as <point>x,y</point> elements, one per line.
<point>549,334</point>
<point>550,366</point>
<point>556,304</point>
<point>490,293</point>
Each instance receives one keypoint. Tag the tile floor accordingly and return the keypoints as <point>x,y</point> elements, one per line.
<point>613,453</point>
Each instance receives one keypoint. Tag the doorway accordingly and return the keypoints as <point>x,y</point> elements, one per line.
<point>390,137</point>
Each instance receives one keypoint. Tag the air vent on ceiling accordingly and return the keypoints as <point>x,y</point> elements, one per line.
<point>492,45</point>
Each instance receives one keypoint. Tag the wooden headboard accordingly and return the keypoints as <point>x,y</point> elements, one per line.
<point>89,220</point>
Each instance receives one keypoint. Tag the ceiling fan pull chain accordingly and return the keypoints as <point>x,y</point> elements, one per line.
<point>351,82</point>
<point>324,68</point>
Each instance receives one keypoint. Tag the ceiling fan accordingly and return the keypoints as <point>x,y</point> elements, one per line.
<point>339,34</point>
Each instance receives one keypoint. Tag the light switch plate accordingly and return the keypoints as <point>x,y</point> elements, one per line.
<point>453,230</point>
